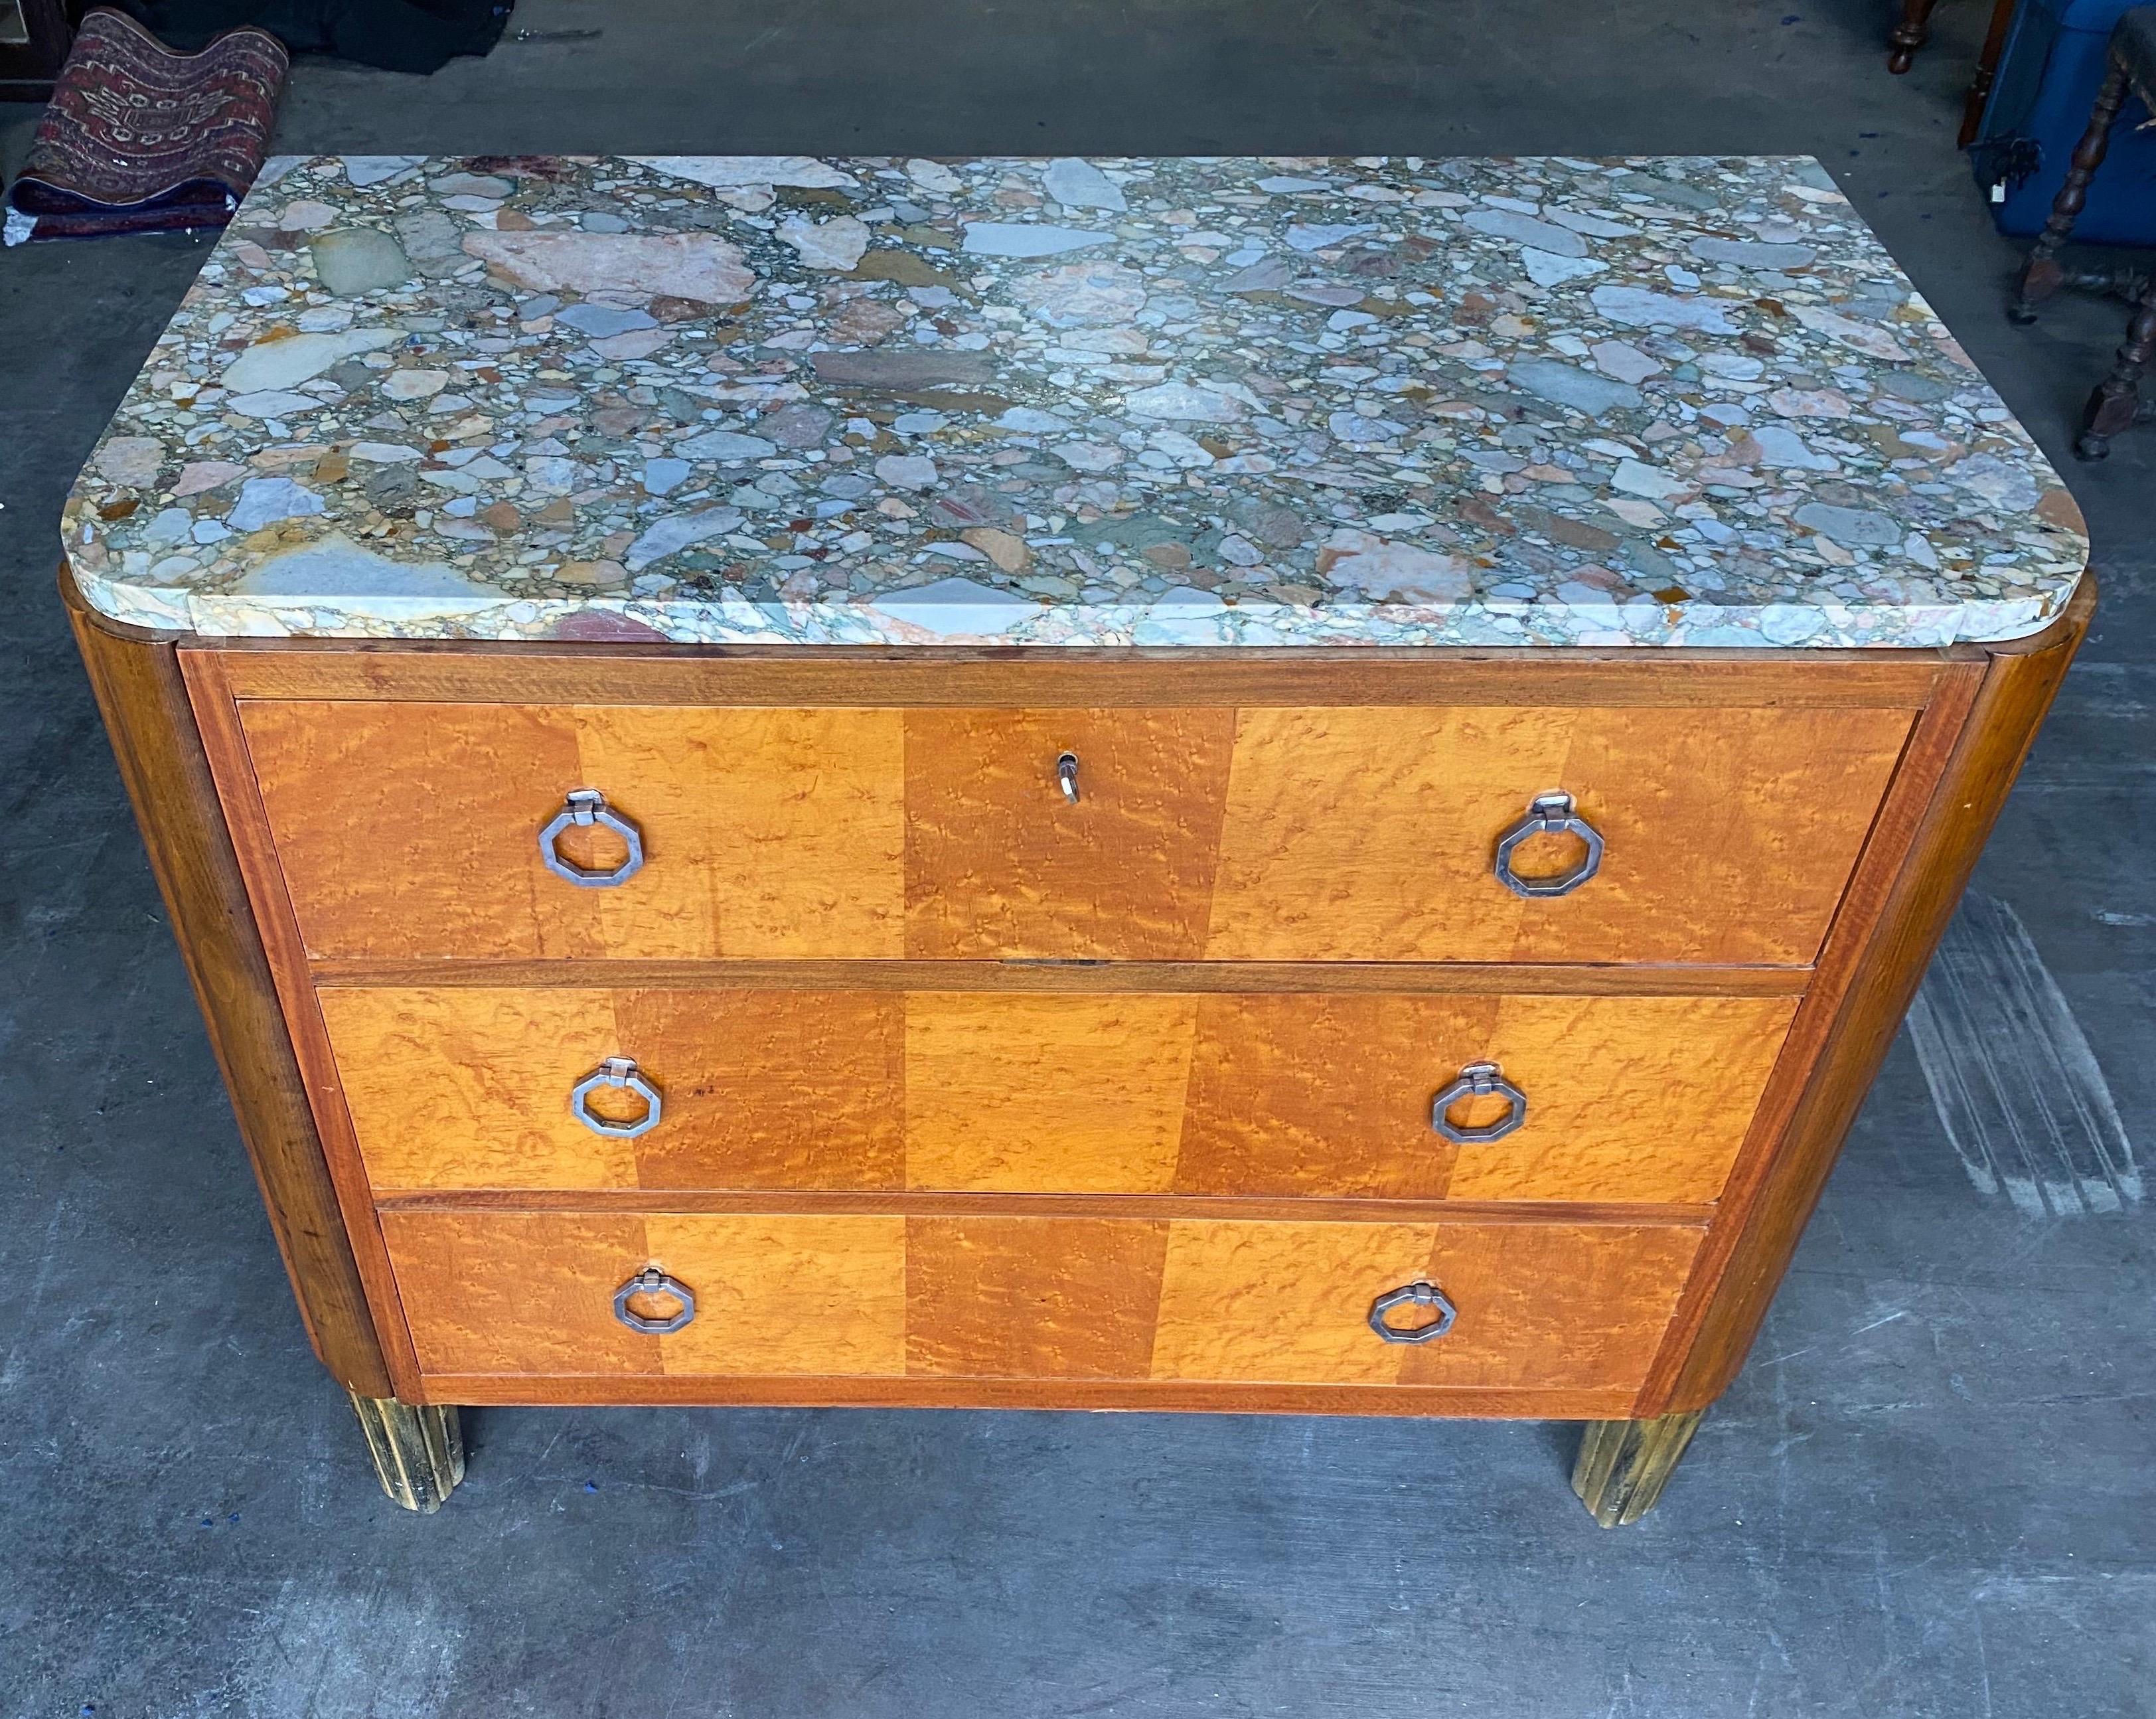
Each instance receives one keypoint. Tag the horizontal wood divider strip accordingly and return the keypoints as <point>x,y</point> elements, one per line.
<point>1136,1207</point>
<point>826,675</point>
<point>1403,978</point>
<point>555,1391</point>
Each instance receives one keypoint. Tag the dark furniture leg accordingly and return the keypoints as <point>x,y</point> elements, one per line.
<point>2117,402</point>
<point>34,35</point>
<point>1910,34</point>
<point>1624,1465</point>
<point>1987,69</point>
<point>2042,276</point>
<point>419,1452</point>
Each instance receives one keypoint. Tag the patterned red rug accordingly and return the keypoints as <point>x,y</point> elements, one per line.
<point>139,139</point>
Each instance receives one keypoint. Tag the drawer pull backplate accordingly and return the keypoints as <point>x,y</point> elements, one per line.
<point>1479,1080</point>
<point>616,1071</point>
<point>1413,1295</point>
<point>652,1281</point>
<point>587,806</point>
<point>1549,815</point>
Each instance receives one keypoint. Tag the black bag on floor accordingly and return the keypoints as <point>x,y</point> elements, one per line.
<point>397,35</point>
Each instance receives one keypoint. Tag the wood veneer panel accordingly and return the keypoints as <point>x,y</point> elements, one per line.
<point>1348,833</point>
<point>781,1294</point>
<point>511,1292</point>
<point>1282,1303</point>
<point>1018,1297</point>
<point>1643,1100</point>
<point>159,748</point>
<point>1627,1098</point>
<point>471,1089</point>
<point>1549,1307</point>
<point>1752,1237</point>
<point>1073,1094</point>
<point>490,1292</point>
<point>407,829</point>
<point>1366,834</point>
<point>999,863</point>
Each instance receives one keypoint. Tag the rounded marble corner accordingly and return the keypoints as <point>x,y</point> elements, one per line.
<point>2062,623</point>
<point>100,605</point>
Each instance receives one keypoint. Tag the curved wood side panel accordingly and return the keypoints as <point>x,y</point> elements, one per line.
<point>159,749</point>
<point>1885,957</point>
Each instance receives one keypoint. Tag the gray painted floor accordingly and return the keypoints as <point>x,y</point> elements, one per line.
<point>1929,1494</point>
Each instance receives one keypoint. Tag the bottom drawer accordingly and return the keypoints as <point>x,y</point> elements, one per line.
<point>1538,1306</point>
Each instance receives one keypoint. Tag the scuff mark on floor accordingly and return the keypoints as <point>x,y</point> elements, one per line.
<point>2015,1084</point>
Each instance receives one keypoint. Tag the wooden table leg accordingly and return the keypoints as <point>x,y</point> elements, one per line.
<point>418,1451</point>
<point>1987,69</point>
<point>1910,34</point>
<point>2115,404</point>
<point>2042,276</point>
<point>1624,1465</point>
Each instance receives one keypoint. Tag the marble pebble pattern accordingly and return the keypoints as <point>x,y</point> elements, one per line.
<point>1250,402</point>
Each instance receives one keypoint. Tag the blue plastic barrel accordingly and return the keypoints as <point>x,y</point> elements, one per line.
<point>2047,81</point>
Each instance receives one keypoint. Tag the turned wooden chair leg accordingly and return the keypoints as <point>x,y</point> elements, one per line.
<point>1624,1465</point>
<point>2117,402</point>
<point>419,1450</point>
<point>2042,276</point>
<point>1910,34</point>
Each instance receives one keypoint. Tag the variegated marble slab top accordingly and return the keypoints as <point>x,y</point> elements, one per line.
<point>1255,401</point>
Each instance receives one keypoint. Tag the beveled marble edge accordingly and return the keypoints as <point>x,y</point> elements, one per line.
<point>980,616</point>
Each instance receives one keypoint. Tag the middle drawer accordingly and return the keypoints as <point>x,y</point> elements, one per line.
<point>1631,1099</point>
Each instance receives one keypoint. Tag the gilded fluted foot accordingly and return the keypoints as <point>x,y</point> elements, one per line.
<point>419,1452</point>
<point>1624,1465</point>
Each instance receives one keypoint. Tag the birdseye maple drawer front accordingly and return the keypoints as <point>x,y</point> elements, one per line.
<point>412,831</point>
<point>1550,1098</point>
<point>1528,1305</point>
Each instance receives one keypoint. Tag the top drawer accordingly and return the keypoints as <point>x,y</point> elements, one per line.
<point>412,831</point>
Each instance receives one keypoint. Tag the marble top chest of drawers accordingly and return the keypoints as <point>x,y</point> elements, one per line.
<point>1310,786</point>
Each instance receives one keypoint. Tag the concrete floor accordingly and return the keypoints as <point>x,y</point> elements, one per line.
<point>1929,1494</point>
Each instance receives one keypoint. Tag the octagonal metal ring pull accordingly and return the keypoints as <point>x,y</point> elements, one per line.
<point>1479,1080</point>
<point>587,806</point>
<point>1548,814</point>
<point>652,1281</point>
<point>1413,1295</point>
<point>616,1071</point>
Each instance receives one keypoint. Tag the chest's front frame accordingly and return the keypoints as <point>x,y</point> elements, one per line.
<point>170,706</point>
